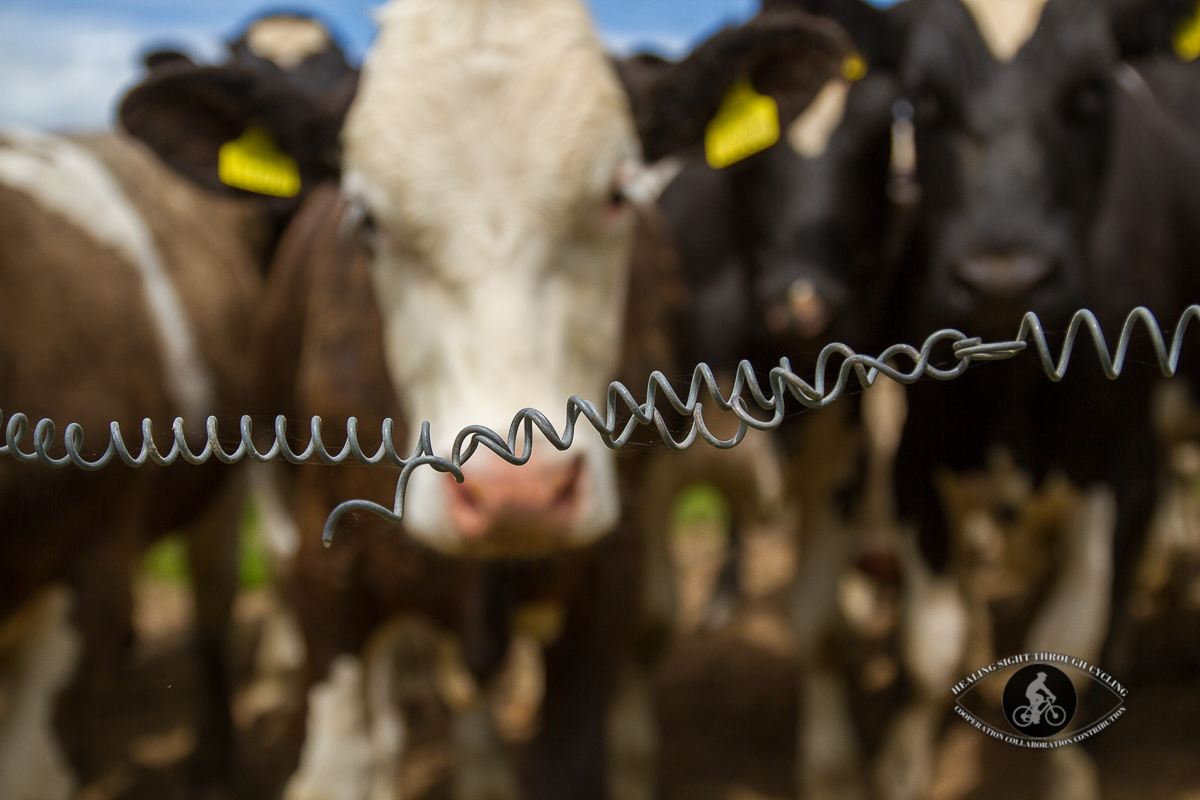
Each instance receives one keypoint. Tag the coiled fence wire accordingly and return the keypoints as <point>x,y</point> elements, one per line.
<point>782,382</point>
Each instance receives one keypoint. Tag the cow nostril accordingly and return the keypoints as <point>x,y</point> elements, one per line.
<point>1005,276</point>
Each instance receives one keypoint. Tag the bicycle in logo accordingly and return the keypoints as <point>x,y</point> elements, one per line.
<point>1026,716</point>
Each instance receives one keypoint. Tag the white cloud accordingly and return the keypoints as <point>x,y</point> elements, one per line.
<point>69,72</point>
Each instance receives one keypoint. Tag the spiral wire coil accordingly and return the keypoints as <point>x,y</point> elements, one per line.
<point>782,381</point>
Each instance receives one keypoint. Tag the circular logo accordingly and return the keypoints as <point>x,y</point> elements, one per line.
<point>1039,701</point>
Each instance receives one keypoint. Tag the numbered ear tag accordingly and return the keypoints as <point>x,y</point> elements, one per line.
<point>254,162</point>
<point>746,123</point>
<point>1187,37</point>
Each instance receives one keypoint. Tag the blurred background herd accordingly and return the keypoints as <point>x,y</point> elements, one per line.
<point>772,682</point>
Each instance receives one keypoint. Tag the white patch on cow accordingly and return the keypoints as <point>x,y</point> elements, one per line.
<point>810,133</point>
<point>386,724</point>
<point>1006,25</point>
<point>1074,618</point>
<point>69,181</point>
<point>39,651</point>
<point>935,631</point>
<point>647,185</point>
<point>287,40</point>
<point>486,140</point>
<point>336,759</point>
<point>279,528</point>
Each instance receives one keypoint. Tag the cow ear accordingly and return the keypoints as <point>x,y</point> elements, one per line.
<point>788,55</point>
<point>187,114</point>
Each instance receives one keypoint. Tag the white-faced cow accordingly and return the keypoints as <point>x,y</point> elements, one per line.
<point>477,260</point>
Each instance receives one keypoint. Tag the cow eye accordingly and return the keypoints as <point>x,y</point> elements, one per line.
<point>615,203</point>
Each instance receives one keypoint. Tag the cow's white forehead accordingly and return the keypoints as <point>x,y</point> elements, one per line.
<point>1006,25</point>
<point>496,108</point>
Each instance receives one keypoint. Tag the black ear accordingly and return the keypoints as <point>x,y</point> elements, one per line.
<point>165,59</point>
<point>877,33</point>
<point>788,55</point>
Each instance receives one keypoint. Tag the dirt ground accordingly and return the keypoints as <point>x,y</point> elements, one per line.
<point>727,708</point>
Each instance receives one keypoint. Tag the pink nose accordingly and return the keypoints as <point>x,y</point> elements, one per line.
<point>516,509</point>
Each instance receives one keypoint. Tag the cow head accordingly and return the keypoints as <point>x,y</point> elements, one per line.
<point>1011,151</point>
<point>487,157</point>
<point>285,77</point>
<point>491,147</point>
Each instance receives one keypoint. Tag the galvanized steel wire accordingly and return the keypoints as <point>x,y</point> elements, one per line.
<point>782,382</point>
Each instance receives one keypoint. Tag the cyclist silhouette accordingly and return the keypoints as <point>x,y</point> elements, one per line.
<point>1039,695</point>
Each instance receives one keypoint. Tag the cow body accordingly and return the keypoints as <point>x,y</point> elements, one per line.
<point>118,309</point>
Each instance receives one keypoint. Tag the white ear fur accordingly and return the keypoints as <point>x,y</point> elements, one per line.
<point>1006,25</point>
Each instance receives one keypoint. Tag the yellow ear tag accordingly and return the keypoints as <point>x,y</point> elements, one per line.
<point>1187,37</point>
<point>746,123</point>
<point>854,68</point>
<point>255,163</point>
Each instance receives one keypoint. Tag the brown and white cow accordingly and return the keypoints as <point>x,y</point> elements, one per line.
<point>128,293</point>
<point>477,260</point>
<point>116,307</point>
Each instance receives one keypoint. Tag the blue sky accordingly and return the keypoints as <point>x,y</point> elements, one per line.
<point>63,63</point>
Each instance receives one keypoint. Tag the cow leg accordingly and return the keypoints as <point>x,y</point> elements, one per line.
<point>41,650</point>
<point>482,767</point>
<point>828,758</point>
<point>935,638</point>
<point>751,478</point>
<point>568,757</point>
<point>212,555</point>
<point>335,761</point>
<point>1074,620</point>
<point>633,735</point>
<point>103,615</point>
<point>1073,775</point>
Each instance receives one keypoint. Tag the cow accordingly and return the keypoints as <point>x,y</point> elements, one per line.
<point>476,260</point>
<point>982,47</point>
<point>116,310</point>
<point>760,286</point>
<point>1022,133</point>
<point>119,307</point>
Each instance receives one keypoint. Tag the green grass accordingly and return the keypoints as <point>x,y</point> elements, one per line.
<point>254,565</point>
<point>167,562</point>
<point>700,504</point>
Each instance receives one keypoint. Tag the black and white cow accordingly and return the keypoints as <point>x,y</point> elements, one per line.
<point>1025,116</point>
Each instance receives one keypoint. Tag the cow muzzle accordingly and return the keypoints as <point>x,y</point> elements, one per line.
<point>506,511</point>
<point>1005,276</point>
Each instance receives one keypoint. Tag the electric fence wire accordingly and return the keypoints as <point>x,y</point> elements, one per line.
<point>782,382</point>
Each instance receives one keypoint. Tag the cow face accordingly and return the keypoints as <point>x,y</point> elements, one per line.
<point>488,148</point>
<point>487,153</point>
<point>1011,155</point>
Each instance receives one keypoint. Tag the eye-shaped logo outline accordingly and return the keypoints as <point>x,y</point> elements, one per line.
<point>1014,666</point>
